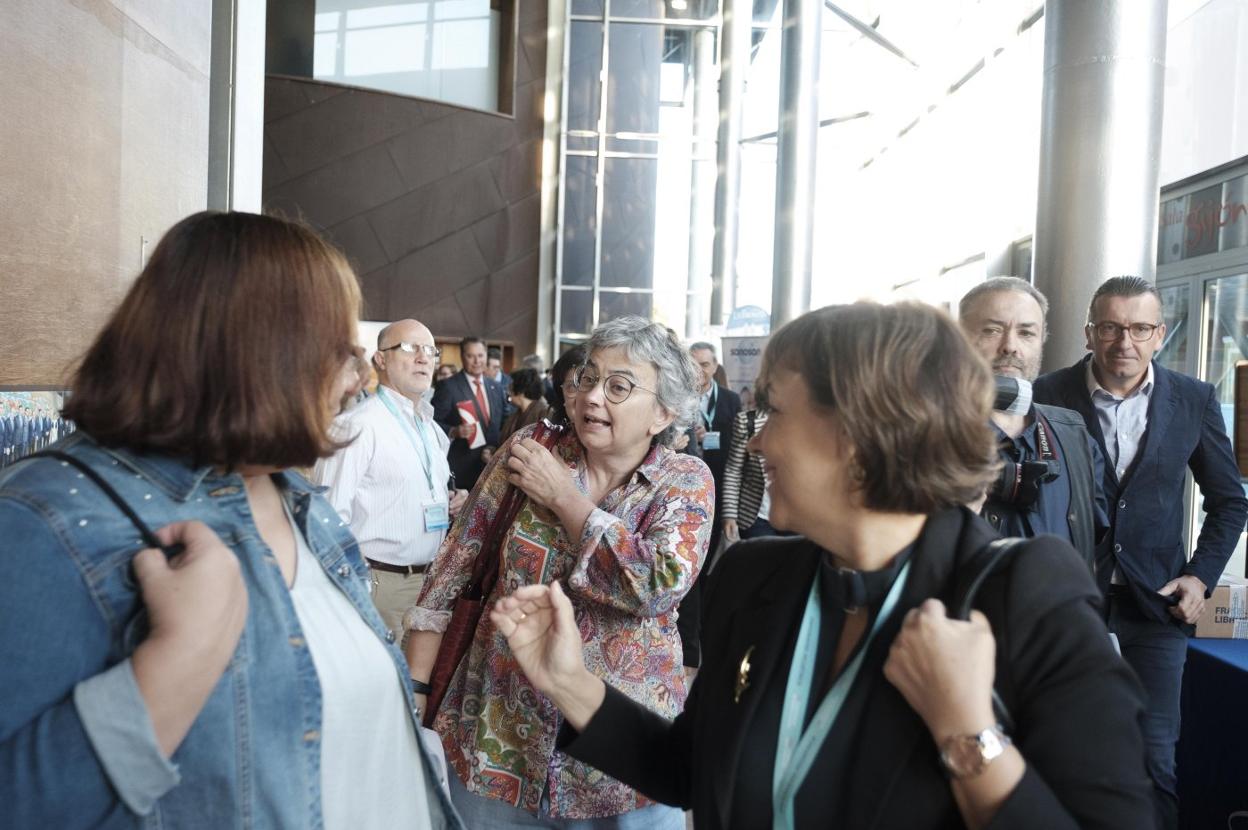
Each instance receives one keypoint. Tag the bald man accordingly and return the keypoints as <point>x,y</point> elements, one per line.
<point>391,483</point>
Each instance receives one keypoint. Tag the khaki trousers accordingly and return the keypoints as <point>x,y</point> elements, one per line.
<point>394,594</point>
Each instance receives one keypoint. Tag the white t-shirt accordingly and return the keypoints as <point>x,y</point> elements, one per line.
<point>371,771</point>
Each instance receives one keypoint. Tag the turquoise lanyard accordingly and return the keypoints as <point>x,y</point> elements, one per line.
<point>796,750</point>
<point>709,416</point>
<point>422,448</point>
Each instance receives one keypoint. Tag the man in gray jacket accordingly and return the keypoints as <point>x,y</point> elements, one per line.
<point>1051,478</point>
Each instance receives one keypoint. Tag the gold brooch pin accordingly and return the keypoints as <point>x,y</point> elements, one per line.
<point>743,676</point>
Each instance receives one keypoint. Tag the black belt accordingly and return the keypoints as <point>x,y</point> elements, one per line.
<point>406,570</point>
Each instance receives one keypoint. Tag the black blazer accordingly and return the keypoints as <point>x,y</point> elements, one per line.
<point>1075,703</point>
<point>1185,431</point>
<point>455,389</point>
<point>727,405</point>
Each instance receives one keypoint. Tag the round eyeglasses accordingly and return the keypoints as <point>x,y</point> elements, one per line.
<point>431,352</point>
<point>1108,332</point>
<point>617,388</point>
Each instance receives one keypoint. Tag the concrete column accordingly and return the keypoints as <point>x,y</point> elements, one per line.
<point>796,155</point>
<point>1100,150</point>
<point>734,65</point>
<point>702,188</point>
<point>236,106</point>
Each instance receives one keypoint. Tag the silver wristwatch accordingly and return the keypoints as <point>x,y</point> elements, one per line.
<point>966,756</point>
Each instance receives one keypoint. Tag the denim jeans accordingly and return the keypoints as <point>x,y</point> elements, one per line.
<point>1157,652</point>
<point>482,813</point>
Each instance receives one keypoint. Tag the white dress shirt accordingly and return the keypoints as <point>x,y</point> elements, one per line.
<point>1123,419</point>
<point>377,483</point>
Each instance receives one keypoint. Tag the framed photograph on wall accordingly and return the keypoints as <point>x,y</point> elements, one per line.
<point>30,420</point>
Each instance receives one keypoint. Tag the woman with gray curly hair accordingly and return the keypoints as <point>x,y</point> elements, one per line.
<point>622,523</point>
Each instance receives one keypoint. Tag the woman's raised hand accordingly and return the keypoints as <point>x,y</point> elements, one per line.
<point>541,476</point>
<point>541,630</point>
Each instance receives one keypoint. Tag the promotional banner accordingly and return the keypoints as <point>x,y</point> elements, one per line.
<point>743,358</point>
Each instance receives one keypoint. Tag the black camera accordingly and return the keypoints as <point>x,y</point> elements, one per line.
<point>1019,483</point>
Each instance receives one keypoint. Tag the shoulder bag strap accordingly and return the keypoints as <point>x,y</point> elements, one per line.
<point>983,564</point>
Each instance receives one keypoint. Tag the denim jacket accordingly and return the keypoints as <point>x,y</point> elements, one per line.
<point>77,747</point>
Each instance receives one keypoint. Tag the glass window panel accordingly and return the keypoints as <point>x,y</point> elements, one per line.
<point>1226,343</point>
<point>324,54</point>
<point>580,221</point>
<point>589,7</point>
<point>460,9</point>
<point>636,53</point>
<point>583,142</point>
<point>1233,218</point>
<point>1173,353</point>
<point>387,15</point>
<point>448,50</point>
<point>584,65</point>
<point>576,312</point>
<point>462,44</point>
<point>665,9</point>
<point>612,305</point>
<point>630,202</point>
<point>630,144</point>
<point>384,51</point>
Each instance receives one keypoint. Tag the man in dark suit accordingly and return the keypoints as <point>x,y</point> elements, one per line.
<point>1153,425</point>
<point>712,426</point>
<point>484,398</point>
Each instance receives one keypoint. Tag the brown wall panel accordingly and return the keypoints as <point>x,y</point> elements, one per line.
<point>437,206</point>
<point>105,144</point>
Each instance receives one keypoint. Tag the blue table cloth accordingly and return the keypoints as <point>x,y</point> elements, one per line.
<point>1213,746</point>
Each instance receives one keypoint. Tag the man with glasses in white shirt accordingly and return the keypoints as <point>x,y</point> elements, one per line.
<point>391,483</point>
<point>1153,425</point>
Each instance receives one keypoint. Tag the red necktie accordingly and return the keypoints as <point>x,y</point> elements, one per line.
<point>485,407</point>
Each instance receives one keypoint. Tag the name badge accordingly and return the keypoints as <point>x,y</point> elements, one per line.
<point>437,516</point>
<point>710,441</point>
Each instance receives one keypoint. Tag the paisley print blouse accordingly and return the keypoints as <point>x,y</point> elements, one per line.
<point>639,554</point>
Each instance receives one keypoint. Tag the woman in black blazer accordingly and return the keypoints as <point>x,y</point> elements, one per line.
<point>835,691</point>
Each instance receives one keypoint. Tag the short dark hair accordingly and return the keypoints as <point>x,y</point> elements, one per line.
<point>527,382</point>
<point>1124,286</point>
<point>226,348</point>
<point>494,353</point>
<point>469,340</point>
<point>912,397</point>
<point>568,363</point>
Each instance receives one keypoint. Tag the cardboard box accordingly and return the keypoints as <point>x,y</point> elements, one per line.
<point>1226,612</point>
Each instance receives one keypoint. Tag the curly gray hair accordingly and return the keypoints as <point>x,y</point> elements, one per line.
<point>647,342</point>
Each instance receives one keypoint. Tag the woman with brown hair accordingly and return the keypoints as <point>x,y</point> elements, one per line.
<point>835,691</point>
<point>229,669</point>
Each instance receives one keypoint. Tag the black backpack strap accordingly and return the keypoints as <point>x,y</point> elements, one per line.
<point>750,418</point>
<point>985,562</point>
<point>149,538</point>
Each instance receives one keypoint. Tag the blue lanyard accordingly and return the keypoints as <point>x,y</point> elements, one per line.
<point>796,750</point>
<point>709,416</point>
<point>422,448</point>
